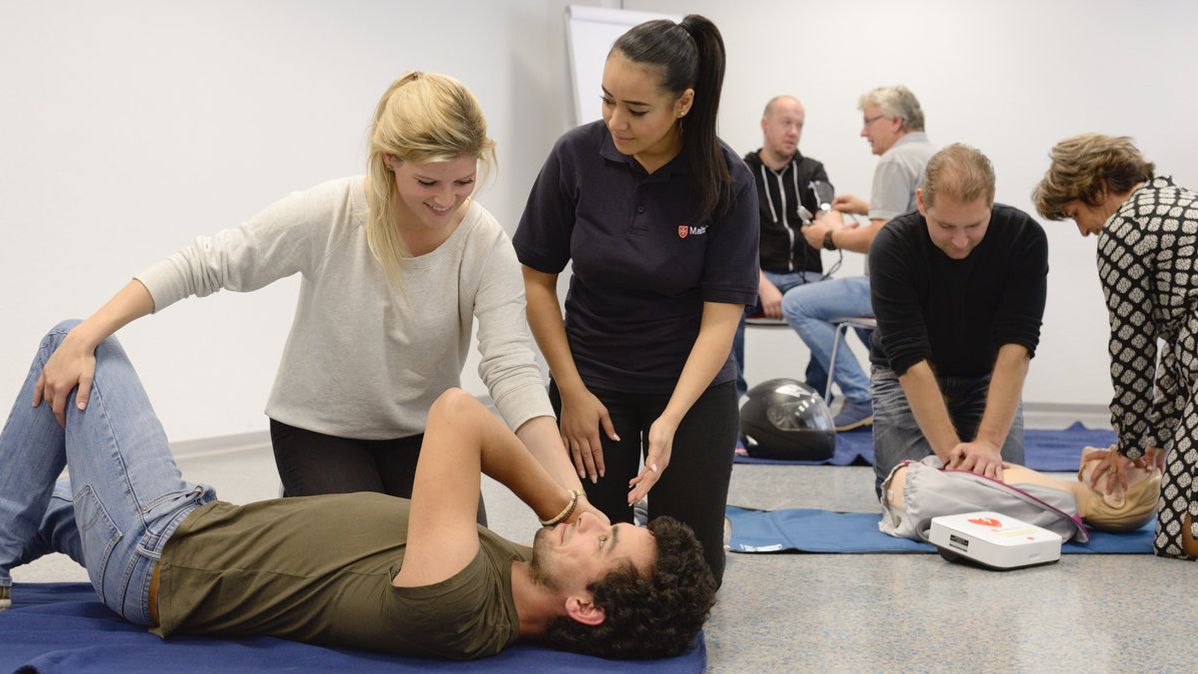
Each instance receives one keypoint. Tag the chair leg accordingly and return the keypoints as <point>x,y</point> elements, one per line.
<point>837,335</point>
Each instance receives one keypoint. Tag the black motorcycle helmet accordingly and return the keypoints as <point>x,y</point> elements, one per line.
<point>787,419</point>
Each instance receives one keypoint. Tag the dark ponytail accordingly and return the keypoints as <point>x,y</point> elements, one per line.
<point>690,55</point>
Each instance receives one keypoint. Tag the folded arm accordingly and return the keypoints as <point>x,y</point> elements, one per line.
<point>461,440</point>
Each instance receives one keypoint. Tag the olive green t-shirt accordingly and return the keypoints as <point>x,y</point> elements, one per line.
<point>318,569</point>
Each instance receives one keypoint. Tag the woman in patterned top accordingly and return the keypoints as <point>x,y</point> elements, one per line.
<point>1147,249</point>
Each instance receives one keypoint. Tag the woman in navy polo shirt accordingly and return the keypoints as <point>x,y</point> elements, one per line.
<point>659,219</point>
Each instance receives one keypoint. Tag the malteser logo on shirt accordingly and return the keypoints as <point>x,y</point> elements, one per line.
<point>686,230</point>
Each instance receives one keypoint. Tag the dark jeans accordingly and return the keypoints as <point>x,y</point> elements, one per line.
<point>897,436</point>
<point>694,488</point>
<point>313,463</point>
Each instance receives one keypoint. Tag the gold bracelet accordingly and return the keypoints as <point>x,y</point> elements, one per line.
<point>567,511</point>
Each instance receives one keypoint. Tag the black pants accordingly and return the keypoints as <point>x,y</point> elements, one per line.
<point>694,487</point>
<point>312,463</point>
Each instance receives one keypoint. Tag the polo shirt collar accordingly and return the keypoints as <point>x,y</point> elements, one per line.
<point>677,165</point>
<point>911,137</point>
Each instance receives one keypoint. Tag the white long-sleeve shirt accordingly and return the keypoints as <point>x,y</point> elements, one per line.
<point>366,359</point>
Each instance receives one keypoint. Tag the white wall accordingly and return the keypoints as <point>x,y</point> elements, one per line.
<point>128,127</point>
<point>1011,78</point>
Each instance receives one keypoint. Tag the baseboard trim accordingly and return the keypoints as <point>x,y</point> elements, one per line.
<point>260,440</point>
<point>222,444</point>
<point>1066,408</point>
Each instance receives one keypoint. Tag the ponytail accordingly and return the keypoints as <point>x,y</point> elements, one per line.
<point>699,137</point>
<point>690,55</point>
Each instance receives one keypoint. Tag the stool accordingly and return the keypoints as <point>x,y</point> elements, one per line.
<point>842,326</point>
<point>763,321</point>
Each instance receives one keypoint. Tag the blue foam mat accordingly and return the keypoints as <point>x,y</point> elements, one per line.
<point>824,531</point>
<point>62,627</point>
<point>1053,450</point>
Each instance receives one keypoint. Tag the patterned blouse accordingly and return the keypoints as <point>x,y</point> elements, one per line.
<point>1147,257</point>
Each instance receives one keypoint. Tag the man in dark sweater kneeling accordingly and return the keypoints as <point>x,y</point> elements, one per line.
<point>958,290</point>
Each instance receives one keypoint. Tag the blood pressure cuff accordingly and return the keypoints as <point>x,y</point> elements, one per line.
<point>930,491</point>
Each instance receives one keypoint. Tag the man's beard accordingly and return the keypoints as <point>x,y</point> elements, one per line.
<point>536,569</point>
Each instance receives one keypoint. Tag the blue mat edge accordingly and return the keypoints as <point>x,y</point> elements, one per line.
<point>848,456</point>
<point>81,603</point>
<point>894,545</point>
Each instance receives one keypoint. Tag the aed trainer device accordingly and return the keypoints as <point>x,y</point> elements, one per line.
<point>993,540</point>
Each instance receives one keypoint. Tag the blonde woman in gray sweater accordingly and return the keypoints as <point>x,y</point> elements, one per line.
<point>396,267</point>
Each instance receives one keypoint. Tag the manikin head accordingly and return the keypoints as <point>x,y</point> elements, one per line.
<point>620,582</point>
<point>1126,511</point>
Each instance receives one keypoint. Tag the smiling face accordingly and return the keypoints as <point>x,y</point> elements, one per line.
<point>432,192</point>
<point>568,557</point>
<point>641,116</point>
<point>955,227</point>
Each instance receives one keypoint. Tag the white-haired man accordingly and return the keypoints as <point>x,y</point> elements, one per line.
<point>893,123</point>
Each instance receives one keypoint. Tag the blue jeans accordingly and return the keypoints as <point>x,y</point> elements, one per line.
<point>810,309</point>
<point>125,496</point>
<point>816,374</point>
<point>897,436</point>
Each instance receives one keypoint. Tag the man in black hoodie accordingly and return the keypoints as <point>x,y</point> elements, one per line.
<point>786,192</point>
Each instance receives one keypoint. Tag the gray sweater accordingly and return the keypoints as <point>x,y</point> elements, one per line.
<point>365,359</point>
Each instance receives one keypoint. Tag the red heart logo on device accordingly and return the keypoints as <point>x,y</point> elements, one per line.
<point>986,522</point>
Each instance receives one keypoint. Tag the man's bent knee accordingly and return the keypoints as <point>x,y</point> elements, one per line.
<point>793,304</point>
<point>64,327</point>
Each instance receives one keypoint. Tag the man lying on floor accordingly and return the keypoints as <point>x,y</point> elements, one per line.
<point>359,570</point>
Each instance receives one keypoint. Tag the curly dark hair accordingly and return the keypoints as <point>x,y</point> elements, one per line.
<point>653,617</point>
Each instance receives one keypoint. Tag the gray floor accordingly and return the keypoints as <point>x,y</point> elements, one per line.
<point>870,613</point>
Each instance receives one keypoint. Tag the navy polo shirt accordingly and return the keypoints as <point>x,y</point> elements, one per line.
<point>642,265</point>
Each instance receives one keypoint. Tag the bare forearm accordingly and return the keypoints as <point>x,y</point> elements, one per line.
<point>540,435</point>
<point>502,456</point>
<point>129,304</point>
<point>709,353</point>
<point>1002,398</point>
<point>857,239</point>
<point>545,319</point>
<point>848,203</point>
<point>461,439</point>
<point>927,405</point>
